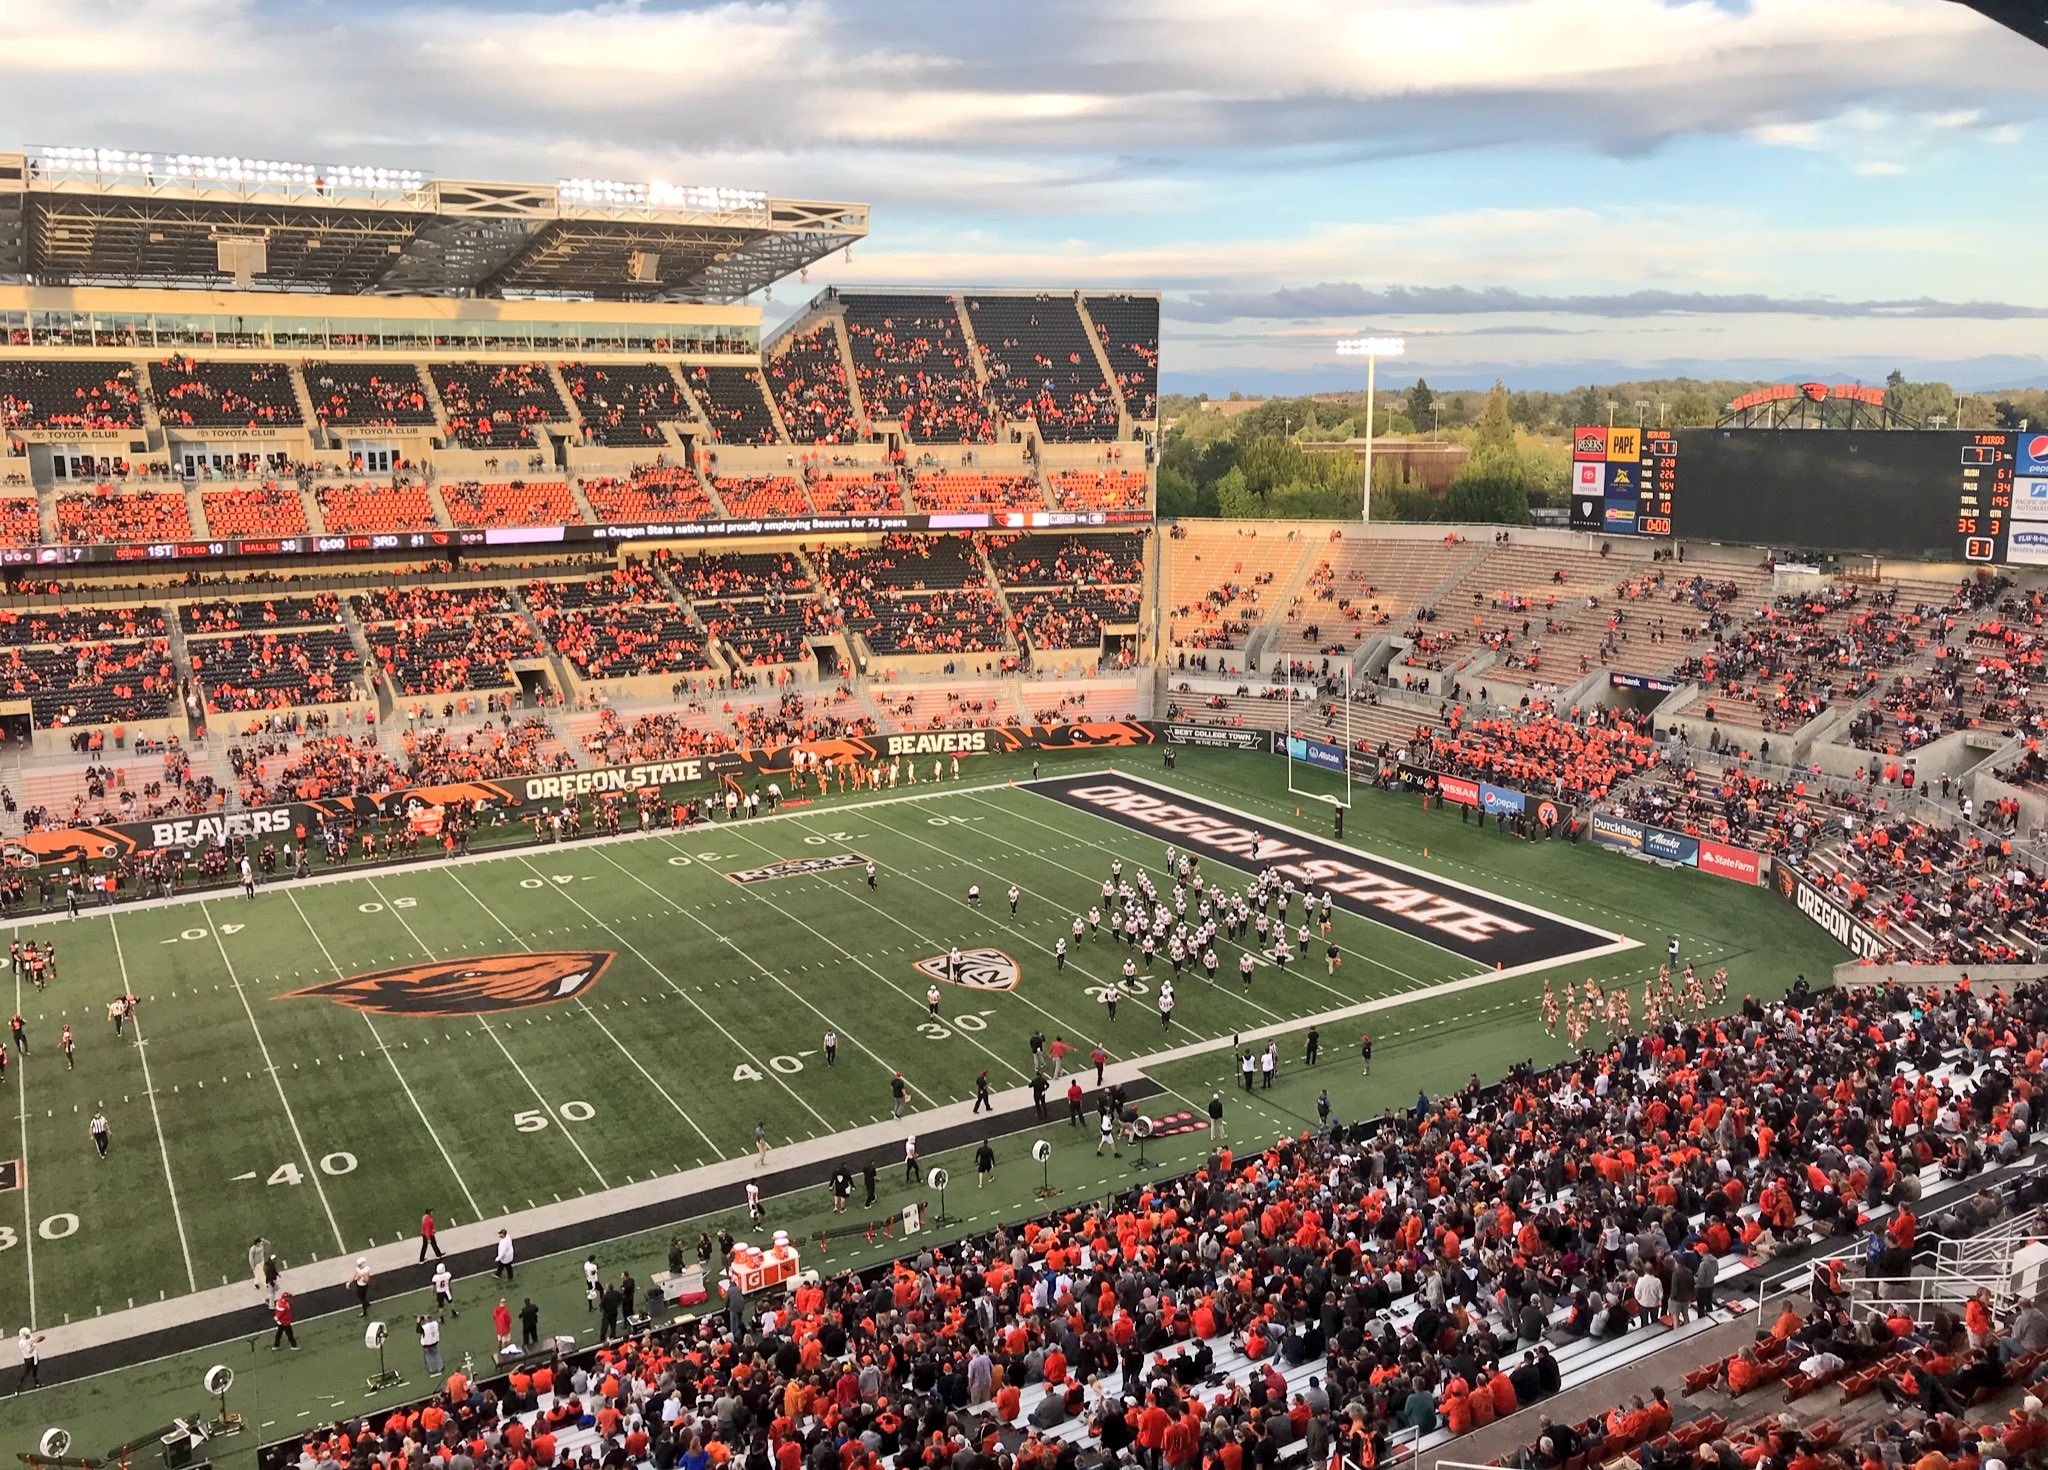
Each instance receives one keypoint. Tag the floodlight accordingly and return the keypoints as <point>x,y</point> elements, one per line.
<point>1371,347</point>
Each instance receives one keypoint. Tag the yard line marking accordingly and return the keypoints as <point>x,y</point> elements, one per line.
<point>276,1080</point>
<point>421,945</point>
<point>801,998</point>
<point>149,1088</point>
<point>716,1023</point>
<point>28,1224</point>
<point>680,1111</point>
<point>468,1198</point>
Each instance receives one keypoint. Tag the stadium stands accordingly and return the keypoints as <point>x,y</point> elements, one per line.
<point>661,492</point>
<point>269,612</point>
<point>952,706</point>
<point>99,683</point>
<point>367,395</point>
<point>763,495</point>
<point>58,393</point>
<point>910,361</point>
<point>241,672</point>
<point>1041,366</point>
<point>946,492</point>
<point>437,641</point>
<point>839,495</point>
<point>1224,579</point>
<point>735,404</point>
<point>764,632</point>
<point>21,521</point>
<point>1071,617</point>
<point>353,509</point>
<point>104,516</point>
<point>808,378</point>
<point>497,405</point>
<point>252,511</point>
<point>623,623</point>
<point>624,404</point>
<point>914,595</point>
<point>194,393</point>
<point>1359,585</point>
<point>1128,327</point>
<point>1043,559</point>
<point>1083,490</point>
<point>510,503</point>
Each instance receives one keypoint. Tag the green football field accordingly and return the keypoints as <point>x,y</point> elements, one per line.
<point>646,1011</point>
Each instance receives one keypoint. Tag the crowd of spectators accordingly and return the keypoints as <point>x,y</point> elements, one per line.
<point>21,521</point>
<point>1796,656</point>
<point>623,623</point>
<point>225,395</point>
<point>1785,814</point>
<point>367,395</point>
<point>357,509</point>
<point>1577,756</point>
<point>879,492</point>
<point>324,766</point>
<point>105,516</point>
<point>624,404</point>
<point>312,609</point>
<point>808,378</point>
<point>953,492</point>
<point>1938,891</point>
<point>735,404</point>
<point>241,672</point>
<point>755,496</point>
<point>736,574</point>
<point>1128,328</point>
<point>510,503</point>
<point>767,631</point>
<point>20,627</point>
<point>57,393</point>
<point>99,683</point>
<point>1070,617</point>
<point>269,509</point>
<point>1042,367</point>
<point>436,641</point>
<point>910,361</point>
<point>1040,559</point>
<point>1104,490</point>
<point>900,560</point>
<point>657,492</point>
<point>496,405</point>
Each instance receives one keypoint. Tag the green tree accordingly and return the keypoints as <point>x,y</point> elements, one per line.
<point>1587,407</point>
<point>1691,411</point>
<point>1496,425</point>
<point>1420,401</point>
<point>1176,492</point>
<point>1492,487</point>
<point>1236,502</point>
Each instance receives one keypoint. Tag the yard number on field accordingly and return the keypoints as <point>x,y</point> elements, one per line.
<point>533,1119</point>
<point>194,935</point>
<point>52,1227</point>
<point>787,1066</point>
<point>334,1165</point>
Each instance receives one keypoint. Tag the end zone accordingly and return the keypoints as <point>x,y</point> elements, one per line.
<point>1469,922</point>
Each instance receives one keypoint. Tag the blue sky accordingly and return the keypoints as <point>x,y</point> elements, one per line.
<point>1544,190</point>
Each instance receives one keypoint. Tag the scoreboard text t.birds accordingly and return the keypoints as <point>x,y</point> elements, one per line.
<point>1623,479</point>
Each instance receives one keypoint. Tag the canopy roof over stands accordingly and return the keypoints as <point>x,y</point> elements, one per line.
<point>141,220</point>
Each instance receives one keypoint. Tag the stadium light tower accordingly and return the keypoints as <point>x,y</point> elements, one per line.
<point>1372,349</point>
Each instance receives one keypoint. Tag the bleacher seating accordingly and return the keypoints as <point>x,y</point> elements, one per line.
<point>726,574</point>
<point>367,395</point>
<point>1128,327</point>
<point>758,632</point>
<point>1052,559</point>
<point>624,404</point>
<point>662,492</point>
<point>1041,366</point>
<point>358,508</point>
<point>103,516</point>
<point>492,405</point>
<point>1225,579</point>
<point>224,395</point>
<point>808,378</point>
<point>19,628</point>
<point>1070,617</point>
<point>949,706</point>
<point>902,562</point>
<point>623,623</point>
<point>259,613</point>
<point>735,403</point>
<point>910,360</point>
<point>880,493</point>
<point>510,503</point>
<point>254,511</point>
<point>21,520</point>
<point>91,683</point>
<point>58,393</point>
<point>1359,585</point>
<point>439,641</point>
<point>953,492</point>
<point>1083,490</point>
<point>763,495</point>
<point>241,672</point>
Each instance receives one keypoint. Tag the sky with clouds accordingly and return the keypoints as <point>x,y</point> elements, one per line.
<point>1550,191</point>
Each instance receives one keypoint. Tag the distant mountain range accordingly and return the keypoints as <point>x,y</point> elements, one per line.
<point>1989,374</point>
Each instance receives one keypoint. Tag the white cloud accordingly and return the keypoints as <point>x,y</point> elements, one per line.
<point>1879,168</point>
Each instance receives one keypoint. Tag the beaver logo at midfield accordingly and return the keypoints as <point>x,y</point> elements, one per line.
<point>467,985</point>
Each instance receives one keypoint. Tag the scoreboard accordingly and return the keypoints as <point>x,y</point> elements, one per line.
<point>1624,480</point>
<point>1941,494</point>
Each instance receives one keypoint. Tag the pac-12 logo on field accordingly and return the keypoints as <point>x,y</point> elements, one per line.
<point>464,985</point>
<point>980,969</point>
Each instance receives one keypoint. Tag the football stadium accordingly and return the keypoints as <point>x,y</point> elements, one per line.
<point>593,879</point>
